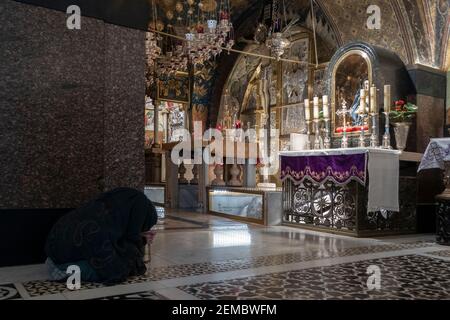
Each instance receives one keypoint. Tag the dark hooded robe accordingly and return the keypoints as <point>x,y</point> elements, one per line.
<point>105,236</point>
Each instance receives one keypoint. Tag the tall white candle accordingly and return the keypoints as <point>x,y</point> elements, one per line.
<point>326,110</point>
<point>316,108</point>
<point>387,98</point>
<point>307,110</point>
<point>373,99</point>
<point>362,102</point>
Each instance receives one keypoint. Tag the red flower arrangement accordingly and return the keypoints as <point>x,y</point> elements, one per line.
<point>400,105</point>
<point>404,111</point>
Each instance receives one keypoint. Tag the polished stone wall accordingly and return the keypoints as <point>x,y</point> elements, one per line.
<point>71,108</point>
<point>430,87</point>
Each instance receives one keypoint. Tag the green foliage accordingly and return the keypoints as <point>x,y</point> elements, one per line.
<point>404,113</point>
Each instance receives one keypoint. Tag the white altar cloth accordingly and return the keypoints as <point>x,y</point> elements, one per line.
<point>383,169</point>
<point>437,153</point>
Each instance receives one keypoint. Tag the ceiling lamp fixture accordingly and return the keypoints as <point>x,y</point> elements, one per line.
<point>277,42</point>
<point>210,31</point>
<point>152,49</point>
<point>203,29</point>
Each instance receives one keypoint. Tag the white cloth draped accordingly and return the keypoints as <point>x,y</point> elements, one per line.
<point>384,175</point>
<point>437,153</point>
<point>383,170</point>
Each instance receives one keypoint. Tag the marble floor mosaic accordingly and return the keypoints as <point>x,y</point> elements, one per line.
<point>9,292</point>
<point>403,278</point>
<point>441,253</point>
<point>37,288</point>
<point>198,256</point>
<point>148,295</point>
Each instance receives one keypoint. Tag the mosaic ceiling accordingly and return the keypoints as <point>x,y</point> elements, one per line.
<point>417,30</point>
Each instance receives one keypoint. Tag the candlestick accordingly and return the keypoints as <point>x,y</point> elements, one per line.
<point>326,110</point>
<point>318,139</point>
<point>374,143</point>
<point>316,108</point>
<point>387,134</point>
<point>373,99</point>
<point>362,137</point>
<point>307,110</point>
<point>387,98</point>
<point>362,101</point>
<point>308,133</point>
<point>327,140</point>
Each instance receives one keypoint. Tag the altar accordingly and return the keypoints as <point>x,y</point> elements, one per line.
<point>348,191</point>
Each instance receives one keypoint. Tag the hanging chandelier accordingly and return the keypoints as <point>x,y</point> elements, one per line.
<point>152,49</point>
<point>205,31</point>
<point>277,42</point>
<point>210,31</point>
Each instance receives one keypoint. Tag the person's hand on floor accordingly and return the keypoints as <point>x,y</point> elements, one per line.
<point>149,236</point>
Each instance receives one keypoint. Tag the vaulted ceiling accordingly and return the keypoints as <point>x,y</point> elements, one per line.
<point>417,30</point>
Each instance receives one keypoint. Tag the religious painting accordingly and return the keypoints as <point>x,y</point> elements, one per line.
<point>352,73</point>
<point>293,119</point>
<point>319,81</point>
<point>242,74</point>
<point>295,75</point>
<point>174,88</point>
<point>272,75</point>
<point>285,144</point>
<point>176,123</point>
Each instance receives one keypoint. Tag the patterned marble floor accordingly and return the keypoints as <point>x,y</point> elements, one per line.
<point>402,278</point>
<point>205,257</point>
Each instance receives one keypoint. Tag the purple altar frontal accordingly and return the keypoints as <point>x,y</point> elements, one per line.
<point>338,165</point>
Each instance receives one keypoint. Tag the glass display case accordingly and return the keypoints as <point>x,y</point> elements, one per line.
<point>156,194</point>
<point>262,206</point>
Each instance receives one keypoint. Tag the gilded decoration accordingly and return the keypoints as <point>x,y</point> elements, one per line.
<point>174,88</point>
<point>203,84</point>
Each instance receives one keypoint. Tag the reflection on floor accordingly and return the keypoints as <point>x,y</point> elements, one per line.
<point>205,257</point>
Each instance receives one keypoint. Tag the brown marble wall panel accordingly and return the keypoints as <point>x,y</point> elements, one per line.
<point>430,120</point>
<point>56,108</point>
<point>124,108</point>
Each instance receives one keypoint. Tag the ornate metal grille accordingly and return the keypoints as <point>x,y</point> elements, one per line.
<point>344,208</point>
